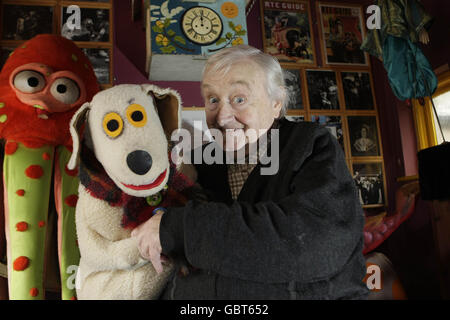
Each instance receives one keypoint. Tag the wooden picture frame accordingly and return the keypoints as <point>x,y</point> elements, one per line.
<point>323,90</point>
<point>334,124</point>
<point>287,31</point>
<point>101,59</point>
<point>358,90</point>
<point>96,24</point>
<point>342,31</point>
<point>370,181</point>
<point>293,82</point>
<point>22,20</point>
<point>58,8</point>
<point>364,136</point>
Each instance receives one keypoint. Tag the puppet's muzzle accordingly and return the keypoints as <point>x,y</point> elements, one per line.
<point>139,161</point>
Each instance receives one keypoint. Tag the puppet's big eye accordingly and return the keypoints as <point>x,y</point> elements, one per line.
<point>136,115</point>
<point>29,81</point>
<point>65,90</point>
<point>113,124</point>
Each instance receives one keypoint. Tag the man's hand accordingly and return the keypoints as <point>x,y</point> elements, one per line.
<point>149,245</point>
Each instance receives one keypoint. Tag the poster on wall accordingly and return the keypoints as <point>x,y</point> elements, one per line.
<point>342,34</point>
<point>333,125</point>
<point>323,91</point>
<point>293,84</point>
<point>369,181</point>
<point>357,90</point>
<point>182,34</point>
<point>23,22</point>
<point>287,31</point>
<point>363,136</point>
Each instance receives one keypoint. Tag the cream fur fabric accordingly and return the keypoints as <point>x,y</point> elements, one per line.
<point>110,265</point>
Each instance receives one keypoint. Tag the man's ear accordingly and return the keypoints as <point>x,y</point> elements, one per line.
<point>168,105</point>
<point>76,124</point>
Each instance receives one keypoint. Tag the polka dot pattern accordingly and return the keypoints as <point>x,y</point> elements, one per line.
<point>34,172</point>
<point>21,263</point>
<point>11,148</point>
<point>22,226</point>
<point>71,200</point>
<point>34,292</point>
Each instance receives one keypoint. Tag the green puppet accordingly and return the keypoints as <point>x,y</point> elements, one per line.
<point>42,84</point>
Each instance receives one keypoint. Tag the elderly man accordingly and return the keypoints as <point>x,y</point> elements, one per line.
<point>294,234</point>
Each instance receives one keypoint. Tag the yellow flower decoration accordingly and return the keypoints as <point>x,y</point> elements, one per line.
<point>159,38</point>
<point>237,41</point>
<point>238,28</point>
<point>160,24</point>
<point>165,42</point>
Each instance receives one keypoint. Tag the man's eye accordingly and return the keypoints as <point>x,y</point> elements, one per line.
<point>213,100</point>
<point>238,100</point>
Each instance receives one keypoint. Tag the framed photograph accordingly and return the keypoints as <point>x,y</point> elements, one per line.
<point>357,90</point>
<point>322,90</point>
<point>23,22</point>
<point>293,83</point>
<point>369,180</point>
<point>5,52</point>
<point>363,133</point>
<point>342,33</point>
<point>95,25</point>
<point>101,62</point>
<point>287,31</point>
<point>296,118</point>
<point>333,124</point>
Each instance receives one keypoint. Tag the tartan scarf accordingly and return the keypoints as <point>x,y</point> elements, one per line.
<point>136,210</point>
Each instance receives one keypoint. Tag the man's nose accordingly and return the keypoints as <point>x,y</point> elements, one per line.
<point>225,114</point>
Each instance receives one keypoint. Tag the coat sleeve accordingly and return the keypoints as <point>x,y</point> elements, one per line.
<point>309,235</point>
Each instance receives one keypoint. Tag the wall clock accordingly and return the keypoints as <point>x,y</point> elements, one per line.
<point>201,25</point>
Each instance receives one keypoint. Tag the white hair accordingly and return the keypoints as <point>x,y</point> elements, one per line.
<point>275,84</point>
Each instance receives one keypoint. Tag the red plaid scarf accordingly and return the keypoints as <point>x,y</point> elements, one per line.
<point>136,210</point>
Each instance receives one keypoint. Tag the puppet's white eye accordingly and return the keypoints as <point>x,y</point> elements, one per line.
<point>29,81</point>
<point>65,90</point>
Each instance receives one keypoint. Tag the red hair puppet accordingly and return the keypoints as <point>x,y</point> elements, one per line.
<point>42,84</point>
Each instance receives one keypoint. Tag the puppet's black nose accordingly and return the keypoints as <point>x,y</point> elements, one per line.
<point>139,162</point>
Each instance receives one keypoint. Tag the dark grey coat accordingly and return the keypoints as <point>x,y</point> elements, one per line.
<point>293,235</point>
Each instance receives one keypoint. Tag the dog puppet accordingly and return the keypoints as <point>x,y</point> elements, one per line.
<point>125,175</point>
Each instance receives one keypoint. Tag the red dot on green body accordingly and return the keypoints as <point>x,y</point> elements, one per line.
<point>34,172</point>
<point>11,148</point>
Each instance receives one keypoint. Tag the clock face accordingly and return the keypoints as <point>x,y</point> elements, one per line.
<point>201,25</point>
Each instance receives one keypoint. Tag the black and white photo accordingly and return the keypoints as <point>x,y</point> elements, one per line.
<point>293,85</point>
<point>23,22</point>
<point>357,90</point>
<point>296,118</point>
<point>333,124</point>
<point>368,178</point>
<point>363,136</point>
<point>94,25</point>
<point>100,59</point>
<point>322,90</point>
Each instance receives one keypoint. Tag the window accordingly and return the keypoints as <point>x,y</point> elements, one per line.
<point>427,128</point>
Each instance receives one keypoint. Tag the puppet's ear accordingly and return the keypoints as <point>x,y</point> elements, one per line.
<point>168,105</point>
<point>78,119</point>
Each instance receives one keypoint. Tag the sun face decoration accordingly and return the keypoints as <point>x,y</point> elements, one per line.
<point>42,84</point>
<point>229,10</point>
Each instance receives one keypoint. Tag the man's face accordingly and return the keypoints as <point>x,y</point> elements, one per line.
<point>238,101</point>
